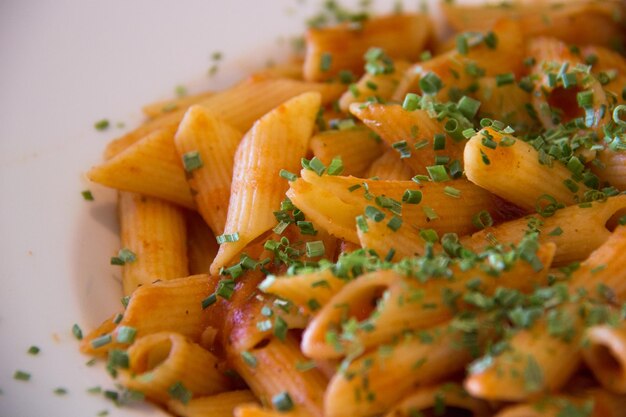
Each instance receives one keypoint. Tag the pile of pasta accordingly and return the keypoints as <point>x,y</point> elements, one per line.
<point>392,225</point>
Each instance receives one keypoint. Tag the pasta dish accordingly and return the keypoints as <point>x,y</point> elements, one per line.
<point>391,224</point>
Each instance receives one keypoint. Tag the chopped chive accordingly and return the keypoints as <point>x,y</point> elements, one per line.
<point>617,115</point>
<point>585,98</point>
<point>504,79</point>
<point>452,192</point>
<point>233,237</point>
<point>429,235</point>
<point>403,148</point>
<point>371,85</point>
<point>411,102</point>
<point>439,141</point>
<point>305,366</point>
<point>430,83</point>
<point>354,90</point>
<point>313,304</point>
<point>101,341</point>
<point>123,257</point>
<point>280,328</point>
<point>468,107</point>
<point>346,77</point>
<point>77,332</point>
<point>118,318</point>
<point>484,157</point>
<point>118,359</point>
<point>569,80</point>
<point>94,390</point>
<point>289,176</point>
<point>306,228</point>
<point>462,45</point>
<point>60,391</point>
<point>482,219</point>
<point>374,213</point>
<point>325,61</point>
<point>425,56</point>
<point>395,223</point>
<point>33,350</point>
<point>102,124</point>
<point>225,288</point>
<point>354,187</point>
<point>126,334</point>
<point>282,402</point>
<point>335,167</point>
<point>21,376</point>
<point>192,161</point>
<point>557,231</point>
<point>178,392</point>
<point>507,141</point>
<point>491,40</point>
<point>412,196</point>
<point>362,224</point>
<point>249,359</point>
<point>314,249</point>
<point>430,213</point>
<point>316,165</point>
<point>87,195</point>
<point>421,144</point>
<point>438,173</point>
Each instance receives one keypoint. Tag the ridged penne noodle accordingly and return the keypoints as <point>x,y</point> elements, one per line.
<point>159,108</point>
<point>380,86</point>
<point>576,231</point>
<point>308,291</point>
<point>357,147</point>
<point>155,232</point>
<point>506,103</point>
<point>514,172</point>
<point>282,136</point>
<point>149,167</point>
<point>271,369</point>
<point>394,124</point>
<point>201,245</point>
<point>562,20</point>
<point>389,166</point>
<point>165,306</point>
<point>451,67</point>
<point>331,204</point>
<point>605,355</point>
<point>214,142</point>
<point>556,103</point>
<point>218,405</point>
<point>553,357</point>
<point>239,106</point>
<point>160,361</point>
<point>444,399</point>
<point>333,49</point>
<point>392,303</point>
<point>376,381</point>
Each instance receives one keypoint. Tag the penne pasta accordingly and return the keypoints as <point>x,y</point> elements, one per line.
<point>576,231</point>
<point>155,232</point>
<point>330,50</point>
<point>605,355</point>
<point>529,184</point>
<point>412,133</point>
<point>356,147</point>
<point>159,108</point>
<point>201,245</point>
<point>218,405</point>
<point>150,167</point>
<point>207,147</point>
<point>161,362</point>
<point>240,106</point>
<point>257,189</point>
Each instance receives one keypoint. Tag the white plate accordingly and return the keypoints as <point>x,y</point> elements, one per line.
<point>64,65</point>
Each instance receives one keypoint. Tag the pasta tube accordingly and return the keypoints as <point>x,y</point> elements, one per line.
<point>159,108</point>
<point>605,354</point>
<point>150,167</point>
<point>440,399</point>
<point>218,405</point>
<point>155,232</point>
<point>330,50</point>
<point>161,361</point>
<point>512,171</point>
<point>201,245</point>
<point>282,136</point>
<point>207,146</point>
<point>389,166</point>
